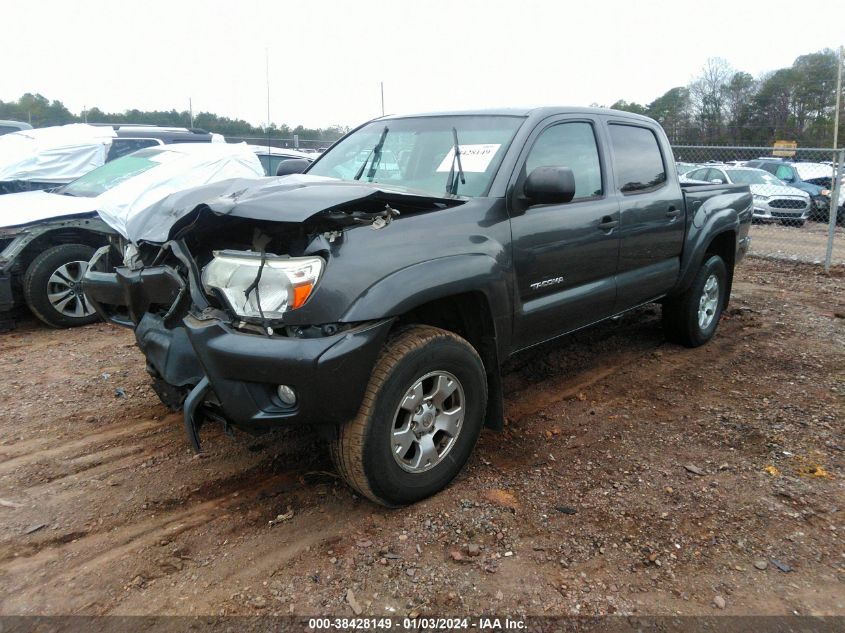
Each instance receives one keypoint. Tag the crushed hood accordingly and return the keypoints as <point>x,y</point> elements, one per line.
<point>292,199</point>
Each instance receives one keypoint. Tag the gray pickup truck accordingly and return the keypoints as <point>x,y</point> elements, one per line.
<point>377,294</point>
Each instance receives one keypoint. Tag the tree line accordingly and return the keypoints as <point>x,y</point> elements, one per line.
<point>725,106</point>
<point>42,112</point>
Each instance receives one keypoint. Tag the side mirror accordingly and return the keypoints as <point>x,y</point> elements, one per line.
<point>717,181</point>
<point>292,166</point>
<point>550,185</point>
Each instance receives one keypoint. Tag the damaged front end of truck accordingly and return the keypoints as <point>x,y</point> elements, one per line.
<point>226,287</point>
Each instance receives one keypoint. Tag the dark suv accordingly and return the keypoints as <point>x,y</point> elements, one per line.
<point>134,137</point>
<point>786,172</point>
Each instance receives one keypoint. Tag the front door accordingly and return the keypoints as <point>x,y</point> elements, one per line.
<point>565,255</point>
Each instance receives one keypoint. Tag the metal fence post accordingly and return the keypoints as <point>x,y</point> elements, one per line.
<point>838,160</point>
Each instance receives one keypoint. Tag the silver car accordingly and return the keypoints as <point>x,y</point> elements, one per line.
<point>774,200</point>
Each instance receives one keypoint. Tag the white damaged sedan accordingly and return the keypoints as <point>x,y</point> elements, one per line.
<point>48,237</point>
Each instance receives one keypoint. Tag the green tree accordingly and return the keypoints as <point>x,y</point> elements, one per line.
<point>672,111</point>
<point>636,108</point>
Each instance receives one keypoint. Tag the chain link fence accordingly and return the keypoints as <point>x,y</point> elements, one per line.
<point>799,200</point>
<point>302,144</point>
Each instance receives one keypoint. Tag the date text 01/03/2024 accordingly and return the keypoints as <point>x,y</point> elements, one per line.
<point>417,624</point>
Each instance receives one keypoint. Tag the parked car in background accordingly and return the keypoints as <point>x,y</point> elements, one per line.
<point>44,158</point>
<point>773,200</point>
<point>47,238</point>
<point>272,157</point>
<point>683,168</point>
<point>7,127</point>
<point>787,172</point>
<point>821,174</point>
<point>377,295</point>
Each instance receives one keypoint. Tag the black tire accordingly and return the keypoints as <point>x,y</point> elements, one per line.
<point>681,314</point>
<point>38,278</point>
<point>363,447</point>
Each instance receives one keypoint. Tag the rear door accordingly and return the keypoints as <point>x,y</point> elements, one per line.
<point>564,254</point>
<point>651,228</point>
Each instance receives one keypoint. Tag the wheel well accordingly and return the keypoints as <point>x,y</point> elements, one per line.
<point>724,245</point>
<point>56,238</point>
<point>468,315</point>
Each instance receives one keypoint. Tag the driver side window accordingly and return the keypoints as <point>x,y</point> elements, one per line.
<point>570,145</point>
<point>784,173</point>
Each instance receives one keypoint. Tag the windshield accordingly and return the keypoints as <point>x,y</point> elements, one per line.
<point>753,177</point>
<point>418,152</point>
<point>111,174</point>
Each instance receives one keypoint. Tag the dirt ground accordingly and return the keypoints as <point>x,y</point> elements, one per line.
<point>633,476</point>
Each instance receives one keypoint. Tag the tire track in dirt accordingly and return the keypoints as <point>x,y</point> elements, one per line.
<point>47,449</point>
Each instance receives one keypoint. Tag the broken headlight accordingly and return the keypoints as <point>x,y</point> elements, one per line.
<point>255,290</point>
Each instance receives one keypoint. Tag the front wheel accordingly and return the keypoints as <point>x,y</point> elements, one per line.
<point>421,416</point>
<point>52,286</point>
<point>691,319</point>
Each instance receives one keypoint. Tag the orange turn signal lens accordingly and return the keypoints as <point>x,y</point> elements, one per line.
<point>301,294</point>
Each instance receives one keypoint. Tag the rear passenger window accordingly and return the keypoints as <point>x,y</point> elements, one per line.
<point>570,145</point>
<point>637,158</point>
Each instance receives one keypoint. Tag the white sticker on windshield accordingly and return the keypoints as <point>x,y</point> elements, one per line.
<point>474,158</point>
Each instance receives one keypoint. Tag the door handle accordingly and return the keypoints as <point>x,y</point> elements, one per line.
<point>608,223</point>
<point>673,213</point>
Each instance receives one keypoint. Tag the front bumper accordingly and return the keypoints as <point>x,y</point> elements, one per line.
<point>328,374</point>
<point>766,211</point>
<point>233,372</point>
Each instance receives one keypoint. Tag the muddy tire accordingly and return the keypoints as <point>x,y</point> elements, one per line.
<point>692,318</point>
<point>52,289</point>
<point>419,421</point>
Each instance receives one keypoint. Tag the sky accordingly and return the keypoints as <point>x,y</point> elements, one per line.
<point>327,58</point>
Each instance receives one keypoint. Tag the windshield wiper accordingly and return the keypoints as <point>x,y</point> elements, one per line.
<point>451,181</point>
<point>375,153</point>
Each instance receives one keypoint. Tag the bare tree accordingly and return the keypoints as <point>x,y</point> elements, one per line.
<point>708,97</point>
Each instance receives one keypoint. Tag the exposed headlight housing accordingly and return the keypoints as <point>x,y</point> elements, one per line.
<point>286,283</point>
<point>825,192</point>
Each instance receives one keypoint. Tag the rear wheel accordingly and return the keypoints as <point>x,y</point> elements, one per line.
<point>692,318</point>
<point>421,416</point>
<point>52,286</point>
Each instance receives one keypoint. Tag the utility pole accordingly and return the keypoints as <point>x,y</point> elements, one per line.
<point>191,110</point>
<point>267,77</point>
<point>381,83</point>
<point>836,184</point>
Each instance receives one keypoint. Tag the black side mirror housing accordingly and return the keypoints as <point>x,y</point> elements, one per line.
<point>550,185</point>
<point>292,166</point>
